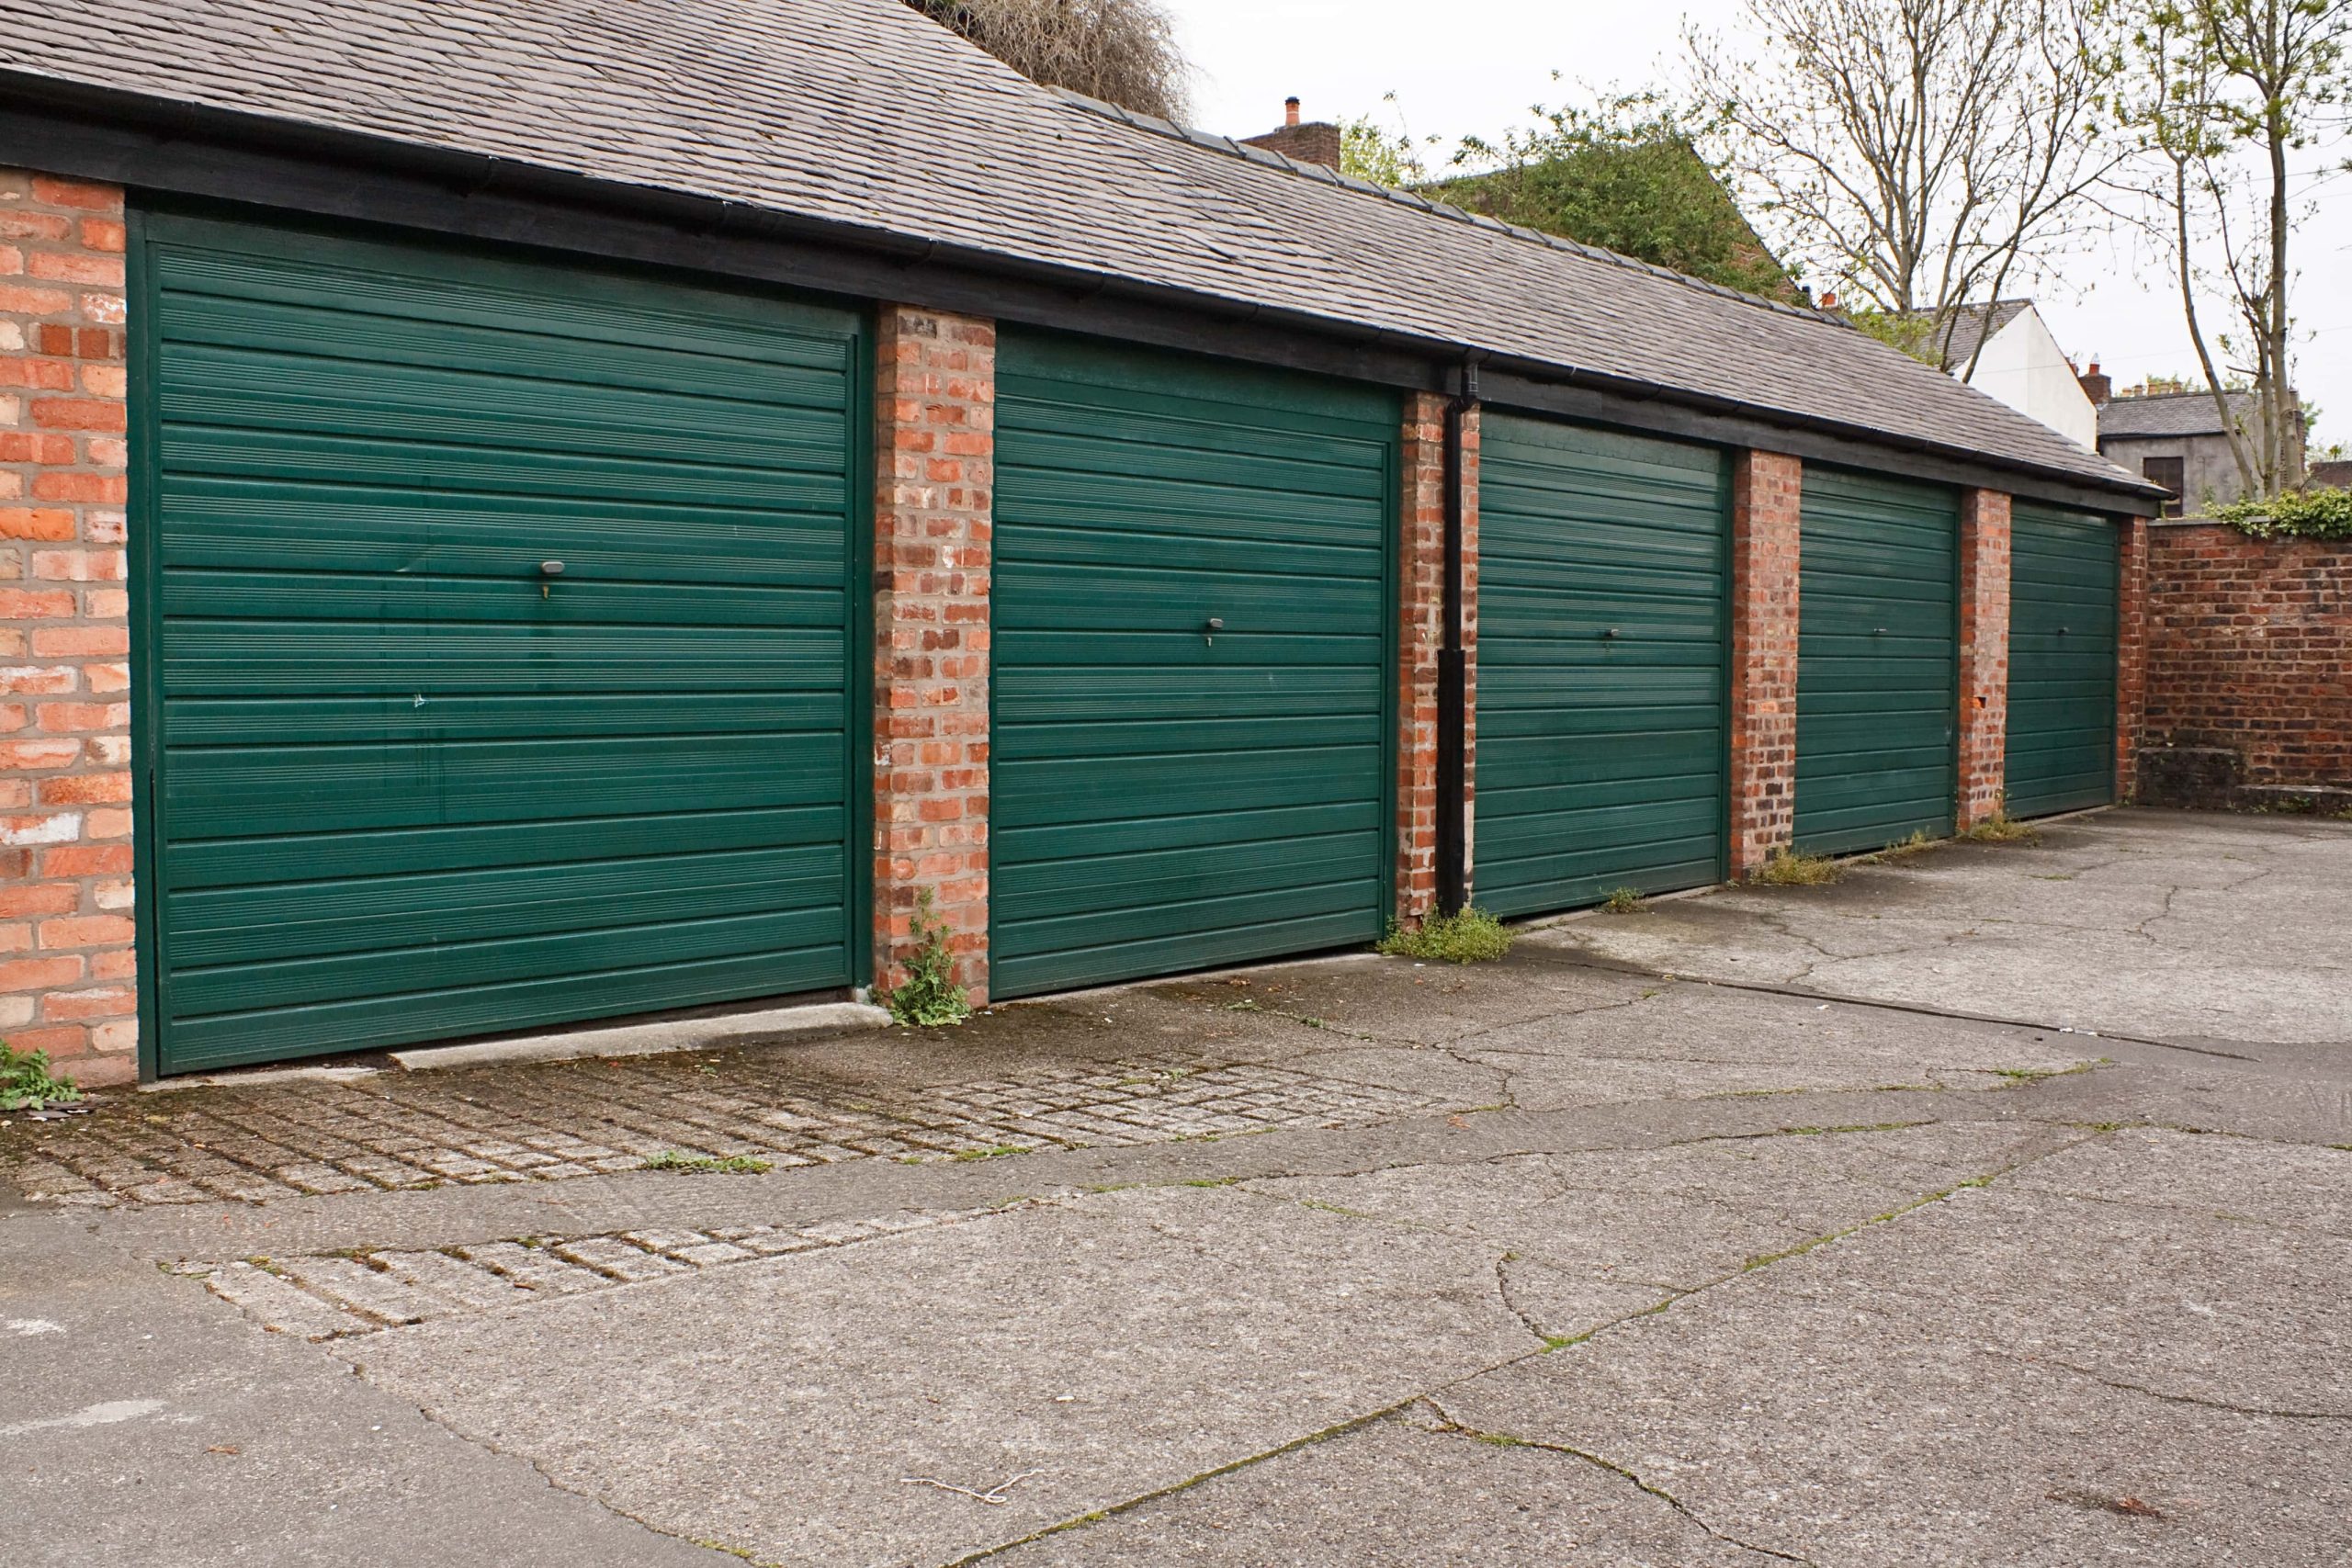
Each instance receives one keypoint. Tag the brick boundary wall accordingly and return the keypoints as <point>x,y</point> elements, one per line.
<point>2130,650</point>
<point>935,447</point>
<point>2249,651</point>
<point>1766,497</point>
<point>1420,572</point>
<point>1983,656</point>
<point>68,966</point>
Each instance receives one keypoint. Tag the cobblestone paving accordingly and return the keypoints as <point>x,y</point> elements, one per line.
<point>392,1130</point>
<point>338,1295</point>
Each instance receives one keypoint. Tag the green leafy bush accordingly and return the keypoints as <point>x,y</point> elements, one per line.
<point>2296,514</point>
<point>929,996</point>
<point>1470,936</point>
<point>26,1084</point>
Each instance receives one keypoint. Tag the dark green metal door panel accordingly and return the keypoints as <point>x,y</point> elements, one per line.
<point>1878,665</point>
<point>2062,589</point>
<point>1603,563</point>
<point>1165,796</point>
<point>405,785</point>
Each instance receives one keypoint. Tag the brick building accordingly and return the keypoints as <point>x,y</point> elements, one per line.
<point>467,569</point>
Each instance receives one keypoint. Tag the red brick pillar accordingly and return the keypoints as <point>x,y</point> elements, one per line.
<point>1767,495</point>
<point>1983,655</point>
<point>68,970</point>
<point>935,483</point>
<point>1420,634</point>
<point>2130,649</point>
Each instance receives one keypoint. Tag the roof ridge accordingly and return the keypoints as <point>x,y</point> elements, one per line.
<point>1211,141</point>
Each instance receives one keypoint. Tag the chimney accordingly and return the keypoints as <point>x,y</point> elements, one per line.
<point>2099,389</point>
<point>1829,301</point>
<point>1305,141</point>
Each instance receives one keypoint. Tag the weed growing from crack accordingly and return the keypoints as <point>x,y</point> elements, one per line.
<point>1622,901</point>
<point>929,996</point>
<point>1917,843</point>
<point>2002,829</point>
<point>732,1165</point>
<point>1786,868</point>
<point>994,1151</point>
<point>27,1083</point>
<point>1466,936</point>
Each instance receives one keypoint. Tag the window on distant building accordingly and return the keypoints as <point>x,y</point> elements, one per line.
<point>2169,473</point>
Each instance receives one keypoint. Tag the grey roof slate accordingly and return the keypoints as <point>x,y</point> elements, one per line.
<point>863,113</point>
<point>2171,415</point>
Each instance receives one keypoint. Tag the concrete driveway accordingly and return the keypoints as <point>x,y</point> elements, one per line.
<point>1993,1206</point>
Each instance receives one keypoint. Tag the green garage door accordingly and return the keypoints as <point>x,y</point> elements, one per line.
<point>2062,660</point>
<point>1878,662</point>
<point>1602,655</point>
<point>496,619</point>
<point>1166,793</point>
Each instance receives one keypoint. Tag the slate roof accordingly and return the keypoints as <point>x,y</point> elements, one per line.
<point>863,114</point>
<point>2172,414</point>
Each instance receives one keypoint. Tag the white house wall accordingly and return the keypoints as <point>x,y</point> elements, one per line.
<point>2023,367</point>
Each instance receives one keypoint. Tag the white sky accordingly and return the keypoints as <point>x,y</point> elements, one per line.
<point>1474,65</point>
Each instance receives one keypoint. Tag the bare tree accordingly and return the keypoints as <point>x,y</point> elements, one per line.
<point>1922,153</point>
<point>2221,93</point>
<point>1123,52</point>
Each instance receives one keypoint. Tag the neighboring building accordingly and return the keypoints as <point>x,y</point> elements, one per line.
<point>2176,440</point>
<point>2334,474</point>
<point>1315,142</point>
<point>2006,350</point>
<point>524,511</point>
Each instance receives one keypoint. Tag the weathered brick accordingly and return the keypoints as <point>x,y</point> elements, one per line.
<point>2247,647</point>
<point>934,466</point>
<point>1983,655</point>
<point>1767,500</point>
<point>1422,639</point>
<point>64,625</point>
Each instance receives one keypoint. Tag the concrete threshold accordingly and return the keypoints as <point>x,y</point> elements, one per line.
<point>650,1039</point>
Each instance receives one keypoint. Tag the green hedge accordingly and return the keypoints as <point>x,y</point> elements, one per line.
<point>2296,515</point>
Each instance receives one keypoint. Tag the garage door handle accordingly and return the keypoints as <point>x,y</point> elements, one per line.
<point>2061,631</point>
<point>1208,633</point>
<point>552,568</point>
<point>1878,631</point>
<point>1609,633</point>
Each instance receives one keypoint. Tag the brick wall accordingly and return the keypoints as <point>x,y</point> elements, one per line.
<point>2133,535</point>
<point>1983,654</point>
<point>1420,634</point>
<point>67,968</point>
<point>2249,648</point>
<point>935,452</point>
<point>1767,494</point>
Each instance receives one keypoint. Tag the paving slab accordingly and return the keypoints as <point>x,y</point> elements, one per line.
<point>2134,1384</point>
<point>1099,1348</point>
<point>1683,1216</point>
<point>1395,1493</point>
<point>145,1422</point>
<point>2161,925</point>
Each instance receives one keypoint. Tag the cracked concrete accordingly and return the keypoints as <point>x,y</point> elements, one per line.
<point>1560,1259</point>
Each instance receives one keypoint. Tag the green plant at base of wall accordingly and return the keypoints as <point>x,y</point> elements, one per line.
<point>929,997</point>
<point>2296,514</point>
<point>1623,900</point>
<point>1468,936</point>
<point>27,1083</point>
<point>1785,868</point>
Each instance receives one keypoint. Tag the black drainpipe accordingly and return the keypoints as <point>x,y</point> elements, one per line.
<point>1452,671</point>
